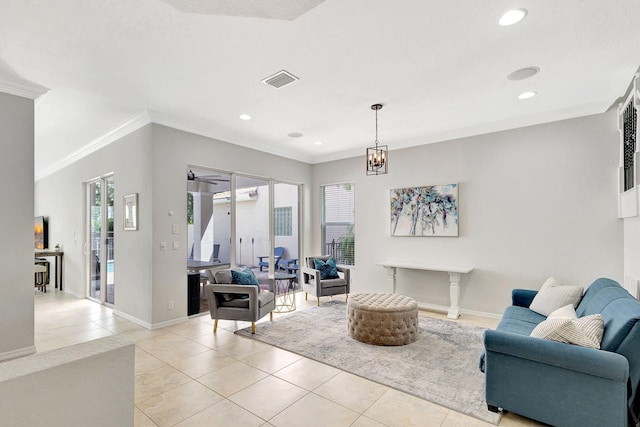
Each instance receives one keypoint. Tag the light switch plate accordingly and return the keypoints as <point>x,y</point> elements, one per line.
<point>176,245</point>
<point>163,246</point>
<point>174,228</point>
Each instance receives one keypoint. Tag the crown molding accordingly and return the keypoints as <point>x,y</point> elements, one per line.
<point>21,88</point>
<point>208,131</point>
<point>123,129</point>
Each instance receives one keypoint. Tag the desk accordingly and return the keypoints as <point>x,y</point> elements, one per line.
<point>58,256</point>
<point>194,267</point>
<point>454,280</point>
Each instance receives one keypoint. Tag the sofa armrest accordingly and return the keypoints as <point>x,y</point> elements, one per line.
<point>599,363</point>
<point>522,297</point>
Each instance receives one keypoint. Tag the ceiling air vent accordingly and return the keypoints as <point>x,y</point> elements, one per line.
<point>279,79</point>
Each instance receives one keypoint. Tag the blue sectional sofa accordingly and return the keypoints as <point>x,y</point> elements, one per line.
<point>563,384</point>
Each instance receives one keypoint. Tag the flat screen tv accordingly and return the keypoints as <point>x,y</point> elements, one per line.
<point>41,233</point>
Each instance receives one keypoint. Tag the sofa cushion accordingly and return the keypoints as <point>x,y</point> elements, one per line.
<point>618,308</point>
<point>333,283</point>
<point>264,298</point>
<point>589,305</point>
<point>553,295</point>
<point>519,320</point>
<point>586,331</point>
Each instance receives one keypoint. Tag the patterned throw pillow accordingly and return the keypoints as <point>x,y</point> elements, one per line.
<point>586,331</point>
<point>552,295</point>
<point>327,269</point>
<point>244,277</point>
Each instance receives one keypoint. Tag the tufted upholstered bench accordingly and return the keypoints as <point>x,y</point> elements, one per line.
<point>383,319</point>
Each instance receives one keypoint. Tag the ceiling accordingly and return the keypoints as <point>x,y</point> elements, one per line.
<point>439,67</point>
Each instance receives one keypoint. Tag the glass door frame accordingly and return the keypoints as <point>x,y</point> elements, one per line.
<point>104,230</point>
<point>271,232</point>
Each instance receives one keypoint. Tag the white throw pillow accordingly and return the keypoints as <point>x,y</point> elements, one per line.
<point>566,312</point>
<point>552,296</point>
<point>586,331</point>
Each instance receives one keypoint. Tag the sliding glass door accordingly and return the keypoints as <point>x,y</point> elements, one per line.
<point>99,240</point>
<point>253,243</point>
<point>285,225</point>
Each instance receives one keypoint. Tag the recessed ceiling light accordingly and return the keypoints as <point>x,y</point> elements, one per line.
<point>318,143</point>
<point>527,95</point>
<point>523,73</point>
<point>294,134</point>
<point>244,117</point>
<point>512,17</point>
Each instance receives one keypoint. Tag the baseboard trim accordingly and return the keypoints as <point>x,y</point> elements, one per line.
<point>14,354</point>
<point>147,325</point>
<point>169,323</point>
<point>445,309</point>
<point>133,319</point>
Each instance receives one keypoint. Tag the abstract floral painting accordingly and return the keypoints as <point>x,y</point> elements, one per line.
<point>425,211</point>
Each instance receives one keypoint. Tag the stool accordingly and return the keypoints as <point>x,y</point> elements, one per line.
<point>383,319</point>
<point>40,281</point>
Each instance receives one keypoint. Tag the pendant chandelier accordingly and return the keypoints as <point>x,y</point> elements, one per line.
<point>377,157</point>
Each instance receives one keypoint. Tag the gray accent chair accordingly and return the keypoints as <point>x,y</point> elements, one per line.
<point>223,305</point>
<point>312,284</point>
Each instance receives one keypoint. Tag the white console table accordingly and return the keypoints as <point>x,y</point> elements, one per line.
<point>454,279</point>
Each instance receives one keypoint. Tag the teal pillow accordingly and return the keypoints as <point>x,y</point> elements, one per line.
<point>327,269</point>
<point>244,277</point>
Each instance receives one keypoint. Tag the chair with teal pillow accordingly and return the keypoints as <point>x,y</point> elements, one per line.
<point>235,294</point>
<point>321,277</point>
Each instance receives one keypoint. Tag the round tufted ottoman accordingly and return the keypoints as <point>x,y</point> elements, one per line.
<point>383,319</point>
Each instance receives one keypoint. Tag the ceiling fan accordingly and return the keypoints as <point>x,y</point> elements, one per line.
<point>209,179</point>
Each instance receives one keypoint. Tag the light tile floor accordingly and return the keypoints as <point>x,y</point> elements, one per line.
<point>187,376</point>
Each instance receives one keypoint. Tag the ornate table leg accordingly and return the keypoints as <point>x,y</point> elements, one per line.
<point>454,293</point>
<point>391,275</point>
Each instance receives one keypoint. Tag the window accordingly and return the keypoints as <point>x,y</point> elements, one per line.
<point>283,221</point>
<point>338,222</point>
<point>629,129</point>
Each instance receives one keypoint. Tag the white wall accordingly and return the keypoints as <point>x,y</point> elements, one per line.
<point>632,246</point>
<point>16,217</point>
<point>61,196</point>
<point>173,150</point>
<point>534,202</point>
<point>152,162</point>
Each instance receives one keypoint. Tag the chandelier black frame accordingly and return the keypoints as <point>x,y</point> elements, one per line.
<point>377,157</point>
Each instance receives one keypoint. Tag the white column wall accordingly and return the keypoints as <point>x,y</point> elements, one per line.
<point>16,217</point>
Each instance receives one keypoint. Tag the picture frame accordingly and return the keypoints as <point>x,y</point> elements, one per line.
<point>130,204</point>
<point>425,211</point>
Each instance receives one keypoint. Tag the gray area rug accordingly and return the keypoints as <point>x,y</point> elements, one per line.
<point>441,366</point>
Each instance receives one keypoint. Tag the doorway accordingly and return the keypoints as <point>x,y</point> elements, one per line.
<point>99,240</point>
